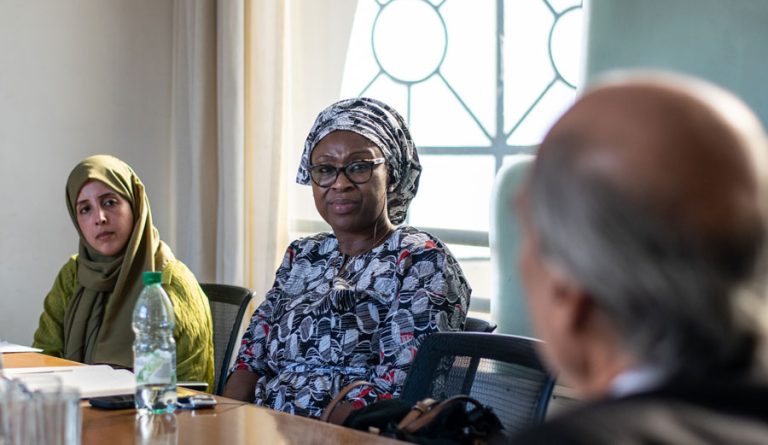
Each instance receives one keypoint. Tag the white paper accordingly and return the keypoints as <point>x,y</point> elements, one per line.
<point>91,381</point>
<point>6,347</point>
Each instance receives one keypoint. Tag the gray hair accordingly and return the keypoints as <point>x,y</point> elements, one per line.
<point>672,293</point>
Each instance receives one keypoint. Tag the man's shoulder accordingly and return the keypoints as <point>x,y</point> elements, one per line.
<point>708,414</point>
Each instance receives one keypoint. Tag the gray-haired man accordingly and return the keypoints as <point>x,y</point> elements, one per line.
<point>644,227</point>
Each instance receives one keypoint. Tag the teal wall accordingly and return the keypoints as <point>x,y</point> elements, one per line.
<point>724,41</point>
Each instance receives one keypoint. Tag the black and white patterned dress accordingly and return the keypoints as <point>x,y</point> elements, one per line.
<point>320,329</point>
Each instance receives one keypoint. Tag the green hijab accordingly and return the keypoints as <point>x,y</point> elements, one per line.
<point>97,323</point>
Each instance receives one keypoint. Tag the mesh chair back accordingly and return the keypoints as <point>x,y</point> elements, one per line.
<point>501,371</point>
<point>228,306</point>
<point>473,324</point>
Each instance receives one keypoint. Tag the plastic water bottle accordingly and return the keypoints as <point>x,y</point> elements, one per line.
<point>154,349</point>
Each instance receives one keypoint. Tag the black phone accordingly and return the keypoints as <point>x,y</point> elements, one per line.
<point>113,402</point>
<point>186,400</point>
<point>197,401</point>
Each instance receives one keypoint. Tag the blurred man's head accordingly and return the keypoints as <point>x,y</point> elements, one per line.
<point>644,225</point>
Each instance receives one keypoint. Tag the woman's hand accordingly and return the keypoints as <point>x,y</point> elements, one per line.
<point>241,385</point>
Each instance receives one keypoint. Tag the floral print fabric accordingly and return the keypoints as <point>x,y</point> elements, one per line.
<point>325,324</point>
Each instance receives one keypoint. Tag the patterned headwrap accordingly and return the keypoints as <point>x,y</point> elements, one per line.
<point>383,126</point>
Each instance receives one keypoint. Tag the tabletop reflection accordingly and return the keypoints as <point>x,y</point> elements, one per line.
<point>156,429</point>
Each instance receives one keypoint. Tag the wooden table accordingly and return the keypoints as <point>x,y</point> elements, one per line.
<point>230,422</point>
<point>33,359</point>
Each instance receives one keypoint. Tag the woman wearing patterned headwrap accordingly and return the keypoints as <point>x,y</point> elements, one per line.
<point>88,312</point>
<point>355,303</point>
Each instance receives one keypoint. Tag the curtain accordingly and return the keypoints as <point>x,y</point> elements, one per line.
<point>230,228</point>
<point>194,133</point>
<point>249,78</point>
<point>267,93</point>
<point>208,139</point>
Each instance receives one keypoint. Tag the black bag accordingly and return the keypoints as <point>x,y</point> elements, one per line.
<point>457,420</point>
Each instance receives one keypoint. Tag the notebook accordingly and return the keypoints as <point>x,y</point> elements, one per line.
<point>91,381</point>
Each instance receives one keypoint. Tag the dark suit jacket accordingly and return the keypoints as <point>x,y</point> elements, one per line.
<point>707,413</point>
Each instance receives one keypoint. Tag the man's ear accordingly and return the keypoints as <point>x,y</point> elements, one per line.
<point>573,299</point>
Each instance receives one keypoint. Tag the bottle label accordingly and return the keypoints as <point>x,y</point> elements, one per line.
<point>153,367</point>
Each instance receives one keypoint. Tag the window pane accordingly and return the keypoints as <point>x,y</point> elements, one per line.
<point>476,264</point>
<point>542,65</point>
<point>360,67</point>
<point>532,130</point>
<point>409,40</point>
<point>470,63</point>
<point>454,192</point>
<point>390,92</point>
<point>527,70</point>
<point>562,5</point>
<point>566,45</point>
<point>304,207</point>
<point>438,118</point>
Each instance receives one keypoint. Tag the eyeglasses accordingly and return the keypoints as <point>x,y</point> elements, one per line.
<point>358,172</point>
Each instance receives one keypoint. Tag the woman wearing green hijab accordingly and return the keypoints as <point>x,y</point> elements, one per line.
<point>87,314</point>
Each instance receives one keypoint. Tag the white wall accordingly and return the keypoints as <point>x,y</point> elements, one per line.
<point>77,77</point>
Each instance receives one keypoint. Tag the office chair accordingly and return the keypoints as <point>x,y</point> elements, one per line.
<point>500,371</point>
<point>508,305</point>
<point>228,306</point>
<point>473,324</point>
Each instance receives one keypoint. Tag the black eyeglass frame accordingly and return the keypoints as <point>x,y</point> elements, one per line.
<point>371,162</point>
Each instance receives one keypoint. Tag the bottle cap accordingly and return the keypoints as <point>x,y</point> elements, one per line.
<point>152,277</point>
